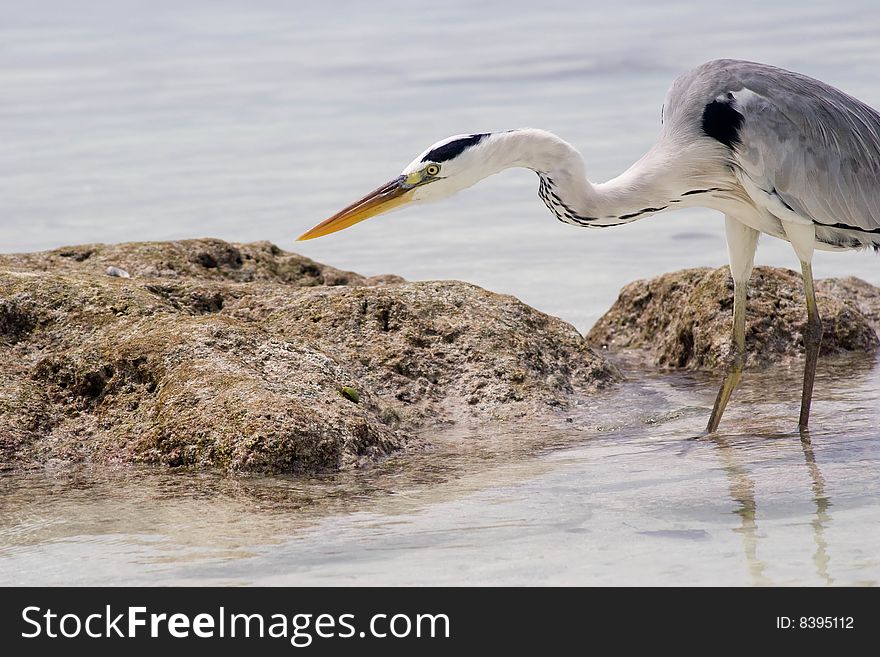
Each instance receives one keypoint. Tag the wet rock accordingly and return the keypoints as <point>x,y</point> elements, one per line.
<point>248,358</point>
<point>185,391</point>
<point>684,319</point>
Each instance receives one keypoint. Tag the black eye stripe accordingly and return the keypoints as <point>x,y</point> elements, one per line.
<point>453,148</point>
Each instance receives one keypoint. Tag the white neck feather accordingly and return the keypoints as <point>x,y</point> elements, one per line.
<point>647,187</point>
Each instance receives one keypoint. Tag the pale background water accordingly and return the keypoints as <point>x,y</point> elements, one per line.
<point>124,120</point>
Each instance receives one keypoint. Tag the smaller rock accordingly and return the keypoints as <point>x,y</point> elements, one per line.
<point>119,273</point>
<point>684,319</point>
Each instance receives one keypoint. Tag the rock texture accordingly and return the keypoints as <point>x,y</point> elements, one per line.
<point>247,358</point>
<point>203,259</point>
<point>683,319</point>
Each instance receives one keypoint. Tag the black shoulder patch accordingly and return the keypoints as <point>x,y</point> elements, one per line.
<point>722,122</point>
<point>453,148</point>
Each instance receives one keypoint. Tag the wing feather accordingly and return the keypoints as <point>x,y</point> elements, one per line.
<point>814,146</point>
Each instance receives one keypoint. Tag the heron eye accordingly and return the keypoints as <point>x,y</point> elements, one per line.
<point>432,169</point>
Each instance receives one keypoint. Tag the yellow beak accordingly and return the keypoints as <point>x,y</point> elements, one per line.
<point>387,197</point>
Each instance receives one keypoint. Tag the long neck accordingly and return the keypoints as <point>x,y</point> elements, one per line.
<point>642,190</point>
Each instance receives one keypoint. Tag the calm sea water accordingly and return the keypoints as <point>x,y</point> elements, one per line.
<point>124,120</point>
<point>160,120</point>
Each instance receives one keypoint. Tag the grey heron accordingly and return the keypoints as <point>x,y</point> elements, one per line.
<point>775,151</point>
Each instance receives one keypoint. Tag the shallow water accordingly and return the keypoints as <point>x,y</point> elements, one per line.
<point>650,502</point>
<point>129,120</point>
<point>126,120</point>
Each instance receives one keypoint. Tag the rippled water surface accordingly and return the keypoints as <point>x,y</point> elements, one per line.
<point>131,120</point>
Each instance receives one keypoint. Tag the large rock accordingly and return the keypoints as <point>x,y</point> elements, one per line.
<point>438,347</point>
<point>245,357</point>
<point>684,319</point>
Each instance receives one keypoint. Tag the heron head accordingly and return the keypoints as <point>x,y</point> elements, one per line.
<point>443,169</point>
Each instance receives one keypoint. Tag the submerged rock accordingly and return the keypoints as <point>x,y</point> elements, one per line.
<point>684,319</point>
<point>247,358</point>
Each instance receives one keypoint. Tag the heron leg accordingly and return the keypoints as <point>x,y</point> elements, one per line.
<point>812,342</point>
<point>737,356</point>
<point>741,244</point>
<point>802,236</point>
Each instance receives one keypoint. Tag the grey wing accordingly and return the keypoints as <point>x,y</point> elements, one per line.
<point>813,150</point>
